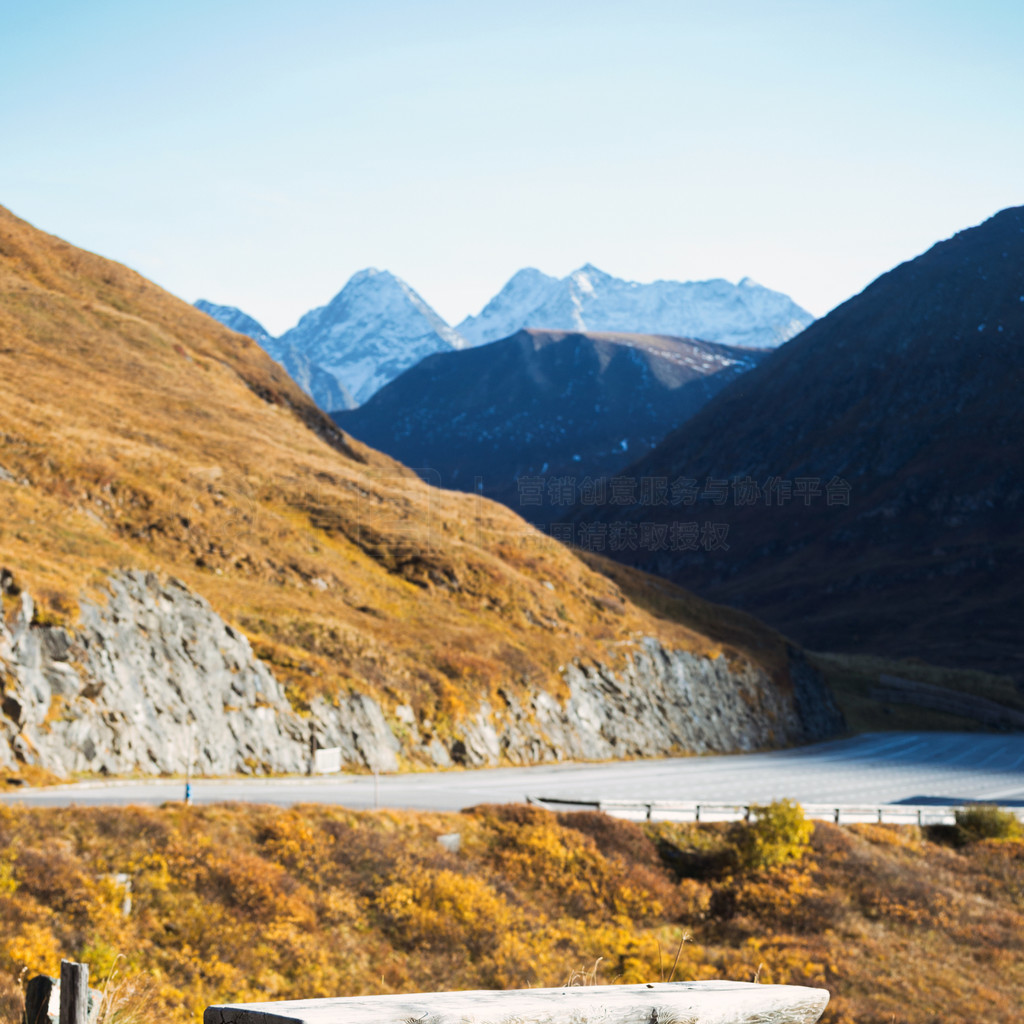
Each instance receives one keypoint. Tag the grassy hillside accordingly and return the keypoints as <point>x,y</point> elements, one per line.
<point>853,680</point>
<point>243,903</point>
<point>137,432</point>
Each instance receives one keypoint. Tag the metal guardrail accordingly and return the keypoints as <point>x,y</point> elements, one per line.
<point>694,810</point>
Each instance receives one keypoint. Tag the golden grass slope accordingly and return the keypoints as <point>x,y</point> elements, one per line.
<point>137,432</point>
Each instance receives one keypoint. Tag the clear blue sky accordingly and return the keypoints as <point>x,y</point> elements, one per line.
<point>258,153</point>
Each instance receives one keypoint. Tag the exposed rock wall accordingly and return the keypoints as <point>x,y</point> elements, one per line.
<point>154,665</point>
<point>660,702</point>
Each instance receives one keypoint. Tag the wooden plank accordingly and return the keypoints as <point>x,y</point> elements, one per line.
<point>688,1002</point>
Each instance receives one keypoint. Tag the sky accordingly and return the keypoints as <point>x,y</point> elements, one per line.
<point>258,154</point>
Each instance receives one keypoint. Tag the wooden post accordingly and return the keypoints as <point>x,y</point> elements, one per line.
<point>74,993</point>
<point>37,999</point>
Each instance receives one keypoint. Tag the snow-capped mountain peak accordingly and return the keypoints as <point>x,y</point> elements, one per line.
<point>591,299</point>
<point>373,329</point>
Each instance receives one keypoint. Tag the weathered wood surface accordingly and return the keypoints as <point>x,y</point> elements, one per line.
<point>74,993</point>
<point>687,1002</point>
<point>38,993</point>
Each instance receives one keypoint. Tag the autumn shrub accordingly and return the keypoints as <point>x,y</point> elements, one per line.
<point>787,899</point>
<point>1000,866</point>
<point>55,877</point>
<point>899,836</point>
<point>694,900</point>
<point>261,889</point>
<point>424,909</point>
<point>243,904</point>
<point>614,836</point>
<point>777,834</point>
<point>564,867</point>
<point>12,1000</point>
<point>690,850</point>
<point>986,821</point>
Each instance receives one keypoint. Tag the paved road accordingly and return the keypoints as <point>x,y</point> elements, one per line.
<point>876,768</point>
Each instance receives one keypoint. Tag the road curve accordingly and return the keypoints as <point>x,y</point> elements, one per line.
<point>876,768</point>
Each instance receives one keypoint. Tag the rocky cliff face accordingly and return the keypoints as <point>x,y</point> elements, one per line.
<point>153,664</point>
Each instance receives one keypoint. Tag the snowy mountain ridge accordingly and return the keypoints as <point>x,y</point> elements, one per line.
<point>746,314</point>
<point>377,326</point>
<point>233,317</point>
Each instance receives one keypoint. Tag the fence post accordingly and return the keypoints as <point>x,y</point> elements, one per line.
<point>37,999</point>
<point>74,992</point>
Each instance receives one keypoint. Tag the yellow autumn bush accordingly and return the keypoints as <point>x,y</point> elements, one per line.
<point>427,909</point>
<point>242,903</point>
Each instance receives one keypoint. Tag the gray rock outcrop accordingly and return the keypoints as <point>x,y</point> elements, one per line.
<point>153,668</point>
<point>659,702</point>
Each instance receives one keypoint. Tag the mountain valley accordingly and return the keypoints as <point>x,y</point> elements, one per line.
<point>186,538</point>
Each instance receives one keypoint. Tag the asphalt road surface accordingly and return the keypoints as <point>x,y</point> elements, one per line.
<point>876,768</point>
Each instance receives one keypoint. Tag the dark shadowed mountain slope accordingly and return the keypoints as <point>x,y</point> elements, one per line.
<point>527,419</point>
<point>907,400</point>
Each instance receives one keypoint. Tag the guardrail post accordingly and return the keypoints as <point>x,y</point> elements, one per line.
<point>74,992</point>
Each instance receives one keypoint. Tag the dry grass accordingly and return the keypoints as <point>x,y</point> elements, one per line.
<point>127,998</point>
<point>152,437</point>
